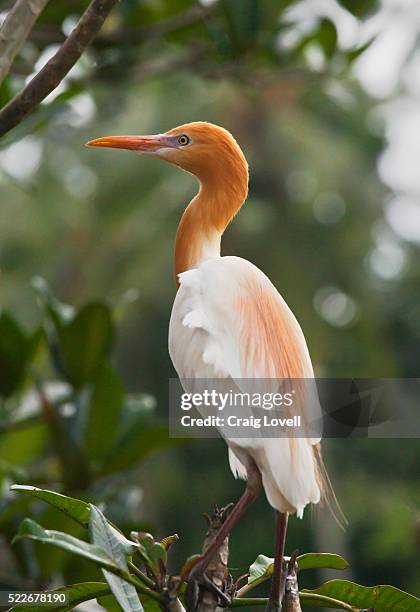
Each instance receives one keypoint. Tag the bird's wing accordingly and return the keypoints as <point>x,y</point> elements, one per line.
<point>239,324</point>
<point>229,321</point>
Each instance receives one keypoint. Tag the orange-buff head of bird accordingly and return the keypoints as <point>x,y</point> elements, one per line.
<point>206,150</point>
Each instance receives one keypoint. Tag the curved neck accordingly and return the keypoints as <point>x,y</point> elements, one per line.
<point>204,221</point>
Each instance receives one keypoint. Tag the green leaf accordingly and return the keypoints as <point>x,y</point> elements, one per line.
<point>149,604</point>
<point>153,553</point>
<point>5,93</point>
<point>360,8</point>
<point>381,598</point>
<point>110,603</point>
<point>77,594</point>
<point>104,411</point>
<point>12,354</point>
<point>21,446</point>
<point>321,560</point>
<point>16,350</point>
<point>109,540</point>
<point>356,53</point>
<point>261,568</point>
<point>140,434</point>
<point>126,546</point>
<point>134,447</point>
<point>33,531</point>
<point>327,37</point>
<point>322,601</point>
<point>85,343</point>
<point>76,509</point>
<point>243,19</point>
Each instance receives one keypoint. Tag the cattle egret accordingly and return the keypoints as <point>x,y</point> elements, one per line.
<point>229,321</point>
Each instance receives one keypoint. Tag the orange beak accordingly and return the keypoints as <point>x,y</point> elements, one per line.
<point>142,144</point>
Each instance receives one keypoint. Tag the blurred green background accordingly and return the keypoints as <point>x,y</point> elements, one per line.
<point>324,99</point>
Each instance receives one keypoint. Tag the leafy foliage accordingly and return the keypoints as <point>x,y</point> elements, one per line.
<point>69,431</point>
<point>136,591</point>
<point>225,33</point>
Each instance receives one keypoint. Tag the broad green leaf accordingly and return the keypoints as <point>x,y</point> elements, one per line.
<point>321,560</point>
<point>104,536</point>
<point>322,601</point>
<point>381,598</point>
<point>32,530</point>
<point>139,434</point>
<point>85,343</point>
<point>76,509</point>
<point>149,604</point>
<point>110,603</point>
<point>16,350</point>
<point>243,18</point>
<point>126,546</point>
<point>104,411</point>
<point>134,446</point>
<point>77,593</point>
<point>19,447</point>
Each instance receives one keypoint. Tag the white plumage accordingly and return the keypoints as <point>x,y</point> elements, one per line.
<point>209,338</point>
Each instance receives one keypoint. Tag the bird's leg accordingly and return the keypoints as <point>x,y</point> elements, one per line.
<point>253,487</point>
<point>278,583</point>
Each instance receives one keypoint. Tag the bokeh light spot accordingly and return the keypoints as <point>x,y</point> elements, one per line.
<point>334,306</point>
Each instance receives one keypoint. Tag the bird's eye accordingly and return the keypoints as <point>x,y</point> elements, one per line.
<point>183,140</point>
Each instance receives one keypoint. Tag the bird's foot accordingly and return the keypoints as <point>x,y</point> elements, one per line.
<point>198,578</point>
<point>224,599</point>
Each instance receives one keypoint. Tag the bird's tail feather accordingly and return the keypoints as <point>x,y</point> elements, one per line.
<point>328,495</point>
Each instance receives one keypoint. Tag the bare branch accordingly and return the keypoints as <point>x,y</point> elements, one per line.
<point>197,13</point>
<point>15,29</point>
<point>57,67</point>
<point>212,592</point>
<point>291,602</point>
